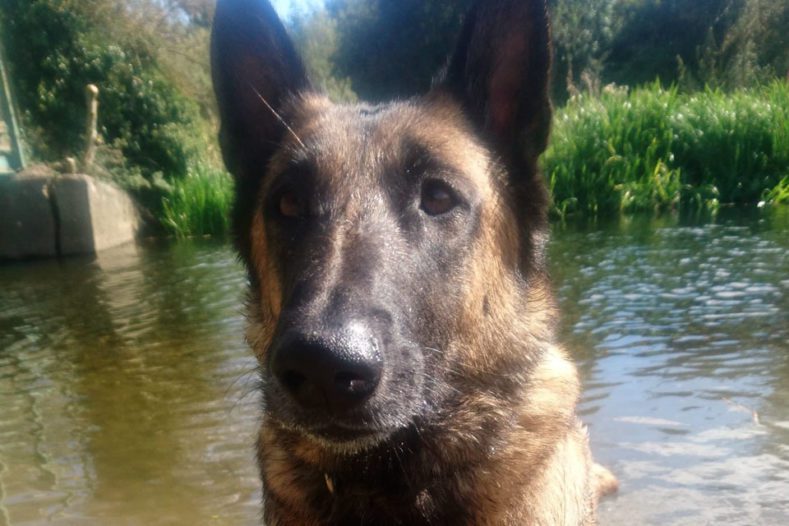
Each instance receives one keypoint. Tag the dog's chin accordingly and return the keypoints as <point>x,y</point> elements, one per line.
<point>343,441</point>
<point>339,440</point>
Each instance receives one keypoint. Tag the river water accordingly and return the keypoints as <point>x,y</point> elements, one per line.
<point>127,395</point>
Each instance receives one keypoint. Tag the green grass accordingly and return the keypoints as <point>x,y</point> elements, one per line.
<point>650,149</point>
<point>199,204</point>
<point>655,149</point>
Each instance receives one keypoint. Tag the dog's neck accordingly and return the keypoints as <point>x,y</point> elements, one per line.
<point>406,481</point>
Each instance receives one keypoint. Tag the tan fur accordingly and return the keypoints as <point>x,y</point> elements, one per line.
<point>480,430</point>
<point>547,440</point>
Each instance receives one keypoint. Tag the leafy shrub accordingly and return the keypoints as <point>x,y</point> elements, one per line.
<point>55,51</point>
<point>655,148</point>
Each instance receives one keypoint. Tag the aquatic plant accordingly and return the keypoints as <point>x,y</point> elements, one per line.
<point>654,148</point>
<point>650,149</point>
<point>198,204</point>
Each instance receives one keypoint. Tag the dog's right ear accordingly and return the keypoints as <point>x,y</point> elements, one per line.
<point>500,71</point>
<point>256,71</point>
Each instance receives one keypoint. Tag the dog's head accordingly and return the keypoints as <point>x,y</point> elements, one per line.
<point>394,251</point>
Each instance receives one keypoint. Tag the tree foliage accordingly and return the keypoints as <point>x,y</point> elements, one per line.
<point>755,47</point>
<point>57,47</point>
<point>659,35</point>
<point>317,39</point>
<point>582,35</point>
<point>392,48</point>
<point>385,48</point>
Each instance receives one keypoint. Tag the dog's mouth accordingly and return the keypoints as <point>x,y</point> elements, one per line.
<point>340,435</point>
<point>341,438</point>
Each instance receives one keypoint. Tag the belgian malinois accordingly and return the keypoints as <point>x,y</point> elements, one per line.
<point>399,307</point>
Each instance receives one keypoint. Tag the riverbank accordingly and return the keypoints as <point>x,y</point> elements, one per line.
<point>623,151</point>
<point>657,149</point>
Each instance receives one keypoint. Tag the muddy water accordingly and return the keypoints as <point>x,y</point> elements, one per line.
<point>126,392</point>
<point>128,397</point>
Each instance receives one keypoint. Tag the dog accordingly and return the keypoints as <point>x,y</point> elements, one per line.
<point>399,306</point>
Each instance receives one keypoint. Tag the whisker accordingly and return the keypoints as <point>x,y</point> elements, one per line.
<point>278,116</point>
<point>253,388</point>
<point>243,397</point>
<point>240,377</point>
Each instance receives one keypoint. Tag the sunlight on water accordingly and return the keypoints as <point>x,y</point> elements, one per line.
<point>682,333</point>
<point>127,394</point>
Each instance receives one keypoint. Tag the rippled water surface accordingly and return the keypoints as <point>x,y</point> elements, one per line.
<point>682,333</point>
<point>126,392</point>
<point>127,395</point>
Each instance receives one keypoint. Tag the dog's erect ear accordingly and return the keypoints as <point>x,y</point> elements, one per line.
<point>255,70</point>
<point>500,72</point>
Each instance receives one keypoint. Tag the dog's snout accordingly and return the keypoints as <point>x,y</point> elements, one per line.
<point>337,371</point>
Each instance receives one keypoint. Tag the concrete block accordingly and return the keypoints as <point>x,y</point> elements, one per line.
<point>27,226</point>
<point>42,215</point>
<point>93,215</point>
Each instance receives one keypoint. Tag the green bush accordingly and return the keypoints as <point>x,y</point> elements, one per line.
<point>199,204</point>
<point>55,50</point>
<point>655,148</point>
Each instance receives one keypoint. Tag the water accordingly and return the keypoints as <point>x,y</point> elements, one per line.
<point>126,391</point>
<point>127,395</point>
<point>682,334</point>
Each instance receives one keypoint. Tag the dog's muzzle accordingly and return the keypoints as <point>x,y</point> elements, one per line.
<point>333,370</point>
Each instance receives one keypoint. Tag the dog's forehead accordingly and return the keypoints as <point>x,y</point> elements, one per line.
<point>361,141</point>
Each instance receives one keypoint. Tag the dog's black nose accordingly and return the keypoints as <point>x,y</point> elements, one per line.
<point>337,370</point>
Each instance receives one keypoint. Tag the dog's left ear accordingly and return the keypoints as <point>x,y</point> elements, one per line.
<point>500,73</point>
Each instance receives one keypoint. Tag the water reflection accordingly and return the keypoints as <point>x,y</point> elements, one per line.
<point>127,394</point>
<point>116,383</point>
<point>682,330</point>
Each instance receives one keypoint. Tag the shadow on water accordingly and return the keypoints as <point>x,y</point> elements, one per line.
<point>681,329</point>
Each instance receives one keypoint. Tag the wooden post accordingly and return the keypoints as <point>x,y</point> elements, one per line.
<point>91,135</point>
<point>70,165</point>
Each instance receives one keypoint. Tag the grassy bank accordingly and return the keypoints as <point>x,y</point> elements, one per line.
<point>650,149</point>
<point>198,204</point>
<point>654,148</point>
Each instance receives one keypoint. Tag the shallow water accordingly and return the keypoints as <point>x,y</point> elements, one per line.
<point>126,392</point>
<point>127,395</point>
<point>682,334</point>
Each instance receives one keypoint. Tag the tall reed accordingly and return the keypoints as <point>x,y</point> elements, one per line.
<point>654,148</point>
<point>642,150</point>
<point>199,204</point>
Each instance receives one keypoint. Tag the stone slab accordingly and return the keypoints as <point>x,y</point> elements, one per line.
<point>42,215</point>
<point>94,215</point>
<point>27,226</point>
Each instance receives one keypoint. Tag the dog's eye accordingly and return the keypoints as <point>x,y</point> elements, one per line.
<point>437,198</point>
<point>292,205</point>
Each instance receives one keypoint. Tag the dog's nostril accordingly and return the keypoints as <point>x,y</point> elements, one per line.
<point>293,380</point>
<point>353,384</point>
